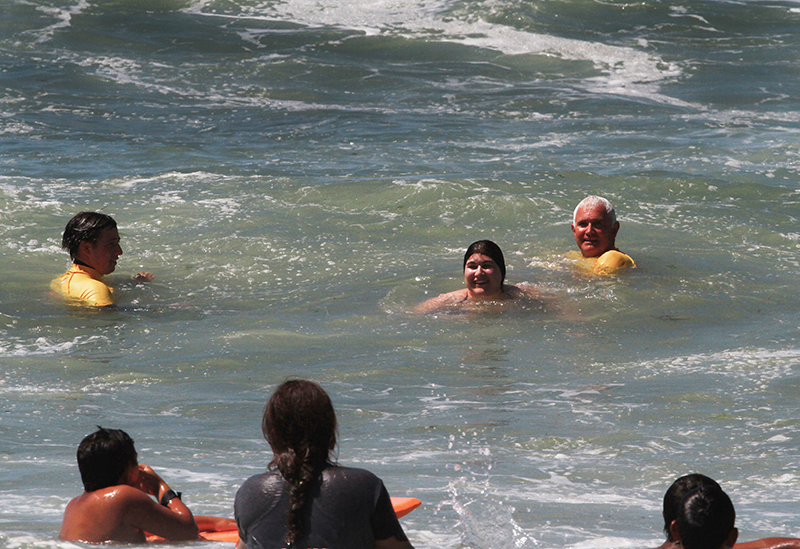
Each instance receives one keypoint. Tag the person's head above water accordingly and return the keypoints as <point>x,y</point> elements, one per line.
<point>595,226</point>
<point>104,457</point>
<point>675,494</point>
<point>300,425</point>
<point>484,269</point>
<point>489,249</point>
<point>299,416</point>
<point>92,239</point>
<point>123,500</point>
<point>705,519</point>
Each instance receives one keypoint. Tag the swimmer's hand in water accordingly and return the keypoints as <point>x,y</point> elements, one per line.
<point>143,277</point>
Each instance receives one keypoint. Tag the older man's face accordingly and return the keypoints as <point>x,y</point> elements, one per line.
<point>594,233</point>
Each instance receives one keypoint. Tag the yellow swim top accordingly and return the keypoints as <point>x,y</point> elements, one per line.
<point>84,285</point>
<point>606,264</point>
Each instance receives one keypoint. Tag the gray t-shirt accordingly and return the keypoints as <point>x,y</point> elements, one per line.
<point>350,509</point>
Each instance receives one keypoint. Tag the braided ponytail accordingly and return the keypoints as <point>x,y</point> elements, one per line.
<point>300,425</point>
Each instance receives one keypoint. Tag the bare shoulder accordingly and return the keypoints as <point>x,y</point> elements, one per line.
<point>613,260</point>
<point>516,292</point>
<point>526,291</point>
<point>441,301</point>
<point>101,516</point>
<point>512,292</point>
<point>770,543</point>
<point>106,498</point>
<point>130,494</point>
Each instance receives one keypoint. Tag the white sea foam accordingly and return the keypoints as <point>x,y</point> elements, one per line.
<point>757,365</point>
<point>44,346</point>
<point>625,71</point>
<point>63,18</point>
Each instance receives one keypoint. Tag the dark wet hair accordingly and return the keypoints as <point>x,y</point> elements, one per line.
<point>103,458</point>
<point>84,227</point>
<point>300,425</point>
<point>675,493</point>
<point>488,248</point>
<point>705,518</point>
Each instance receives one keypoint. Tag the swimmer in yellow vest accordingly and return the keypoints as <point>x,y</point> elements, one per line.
<point>92,240</point>
<point>595,227</point>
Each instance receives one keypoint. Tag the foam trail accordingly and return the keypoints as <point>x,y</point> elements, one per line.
<point>625,71</point>
<point>63,18</point>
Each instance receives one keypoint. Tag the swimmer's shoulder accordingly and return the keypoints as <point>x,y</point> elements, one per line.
<point>770,543</point>
<point>83,286</point>
<point>526,291</point>
<point>608,263</point>
<point>611,261</point>
<point>441,301</point>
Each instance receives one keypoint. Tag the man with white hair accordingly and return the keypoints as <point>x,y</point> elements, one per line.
<point>595,227</point>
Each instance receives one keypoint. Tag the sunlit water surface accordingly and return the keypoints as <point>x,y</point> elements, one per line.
<point>299,175</point>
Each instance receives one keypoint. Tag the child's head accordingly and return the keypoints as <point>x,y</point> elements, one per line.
<point>104,457</point>
<point>705,519</point>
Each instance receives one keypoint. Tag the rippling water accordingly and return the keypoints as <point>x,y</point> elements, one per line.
<point>299,175</point>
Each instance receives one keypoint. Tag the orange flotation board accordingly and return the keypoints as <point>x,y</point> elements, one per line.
<point>223,535</point>
<point>402,507</point>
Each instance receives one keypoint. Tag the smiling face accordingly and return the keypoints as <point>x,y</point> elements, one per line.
<point>103,253</point>
<point>593,230</point>
<point>482,277</point>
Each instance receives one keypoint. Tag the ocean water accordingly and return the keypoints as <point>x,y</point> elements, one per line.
<point>298,175</point>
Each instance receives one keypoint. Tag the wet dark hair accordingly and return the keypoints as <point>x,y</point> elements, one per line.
<point>675,493</point>
<point>705,518</point>
<point>488,248</point>
<point>300,425</point>
<point>84,227</point>
<point>103,458</point>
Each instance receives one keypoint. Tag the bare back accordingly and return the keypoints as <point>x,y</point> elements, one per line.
<point>102,515</point>
<point>124,513</point>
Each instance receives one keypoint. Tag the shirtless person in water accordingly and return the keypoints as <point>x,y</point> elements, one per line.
<point>118,504</point>
<point>484,278</point>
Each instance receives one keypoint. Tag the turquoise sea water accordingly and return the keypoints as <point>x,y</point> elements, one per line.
<point>299,175</point>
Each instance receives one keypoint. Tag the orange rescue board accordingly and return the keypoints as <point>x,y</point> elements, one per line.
<point>402,507</point>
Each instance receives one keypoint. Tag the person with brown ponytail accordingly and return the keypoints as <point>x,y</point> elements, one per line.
<point>305,500</point>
